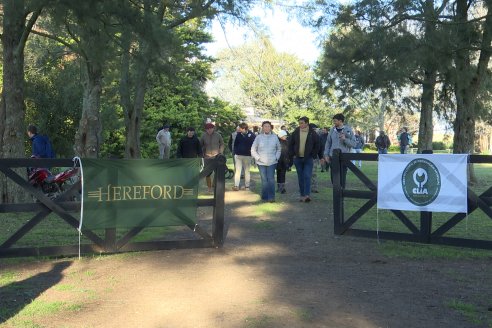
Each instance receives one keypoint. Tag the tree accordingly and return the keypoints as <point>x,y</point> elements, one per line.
<point>18,18</point>
<point>276,84</point>
<point>388,46</point>
<point>53,94</point>
<point>473,40</point>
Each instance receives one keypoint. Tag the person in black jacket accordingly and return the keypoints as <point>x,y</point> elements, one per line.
<point>283,162</point>
<point>189,145</point>
<point>242,155</point>
<point>305,148</point>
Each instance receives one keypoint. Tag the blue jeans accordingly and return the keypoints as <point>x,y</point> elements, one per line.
<point>383,151</point>
<point>267,174</point>
<point>304,168</point>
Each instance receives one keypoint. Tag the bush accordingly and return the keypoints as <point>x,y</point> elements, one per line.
<point>439,145</point>
<point>394,149</point>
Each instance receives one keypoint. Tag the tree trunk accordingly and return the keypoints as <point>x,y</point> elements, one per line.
<point>133,110</point>
<point>426,126</point>
<point>469,80</point>
<point>88,135</point>
<point>381,113</point>
<point>12,111</point>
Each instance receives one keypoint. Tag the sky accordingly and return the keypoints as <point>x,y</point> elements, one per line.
<point>287,35</point>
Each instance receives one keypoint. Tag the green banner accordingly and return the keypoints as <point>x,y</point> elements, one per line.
<point>139,193</point>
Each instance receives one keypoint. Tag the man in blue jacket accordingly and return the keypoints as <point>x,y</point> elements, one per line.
<point>41,145</point>
<point>242,155</point>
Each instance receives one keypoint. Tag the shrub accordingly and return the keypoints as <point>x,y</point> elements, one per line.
<point>394,148</point>
<point>438,145</point>
<point>369,146</point>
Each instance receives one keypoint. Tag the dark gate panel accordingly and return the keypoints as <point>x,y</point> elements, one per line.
<point>424,233</point>
<point>65,204</point>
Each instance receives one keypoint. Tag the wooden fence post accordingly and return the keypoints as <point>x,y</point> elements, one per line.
<point>219,194</point>
<point>426,219</point>
<point>336,172</point>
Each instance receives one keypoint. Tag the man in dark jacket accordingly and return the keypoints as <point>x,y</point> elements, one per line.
<point>304,147</point>
<point>382,143</point>
<point>242,155</point>
<point>189,146</point>
<point>404,140</point>
<point>41,145</point>
<point>322,142</point>
<point>283,162</point>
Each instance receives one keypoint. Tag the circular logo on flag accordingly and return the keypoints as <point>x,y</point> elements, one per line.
<point>421,182</point>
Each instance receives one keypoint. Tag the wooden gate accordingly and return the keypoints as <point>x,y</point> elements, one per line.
<point>425,231</point>
<point>66,204</point>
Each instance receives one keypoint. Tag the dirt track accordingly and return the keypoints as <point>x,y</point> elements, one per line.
<point>281,266</point>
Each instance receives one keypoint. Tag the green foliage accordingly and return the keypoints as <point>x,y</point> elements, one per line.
<point>53,94</point>
<point>182,106</point>
<point>439,145</point>
<point>278,85</point>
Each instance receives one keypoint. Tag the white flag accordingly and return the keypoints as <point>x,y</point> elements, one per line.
<point>423,182</point>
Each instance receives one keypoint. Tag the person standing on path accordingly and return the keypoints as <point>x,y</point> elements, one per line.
<point>189,146</point>
<point>404,139</point>
<point>283,162</point>
<point>163,138</point>
<point>242,149</point>
<point>359,144</point>
<point>212,145</point>
<point>382,143</point>
<point>266,152</point>
<point>322,142</point>
<point>340,137</point>
<point>230,144</point>
<point>304,147</point>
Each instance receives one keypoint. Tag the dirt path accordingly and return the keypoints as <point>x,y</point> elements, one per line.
<point>281,266</point>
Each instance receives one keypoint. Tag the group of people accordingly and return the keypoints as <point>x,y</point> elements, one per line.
<point>305,148</point>
<point>209,145</point>
<point>277,152</point>
<point>404,140</point>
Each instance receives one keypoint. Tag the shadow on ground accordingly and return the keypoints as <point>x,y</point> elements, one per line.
<point>17,295</point>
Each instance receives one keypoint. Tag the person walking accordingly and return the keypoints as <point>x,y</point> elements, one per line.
<point>404,139</point>
<point>382,143</point>
<point>163,138</point>
<point>316,161</point>
<point>283,162</point>
<point>266,152</point>
<point>189,146</point>
<point>340,137</point>
<point>304,148</point>
<point>359,144</point>
<point>242,148</point>
<point>322,142</point>
<point>212,145</point>
<point>230,144</point>
<point>41,146</point>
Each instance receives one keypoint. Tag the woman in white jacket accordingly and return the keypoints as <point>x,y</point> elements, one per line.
<point>266,151</point>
